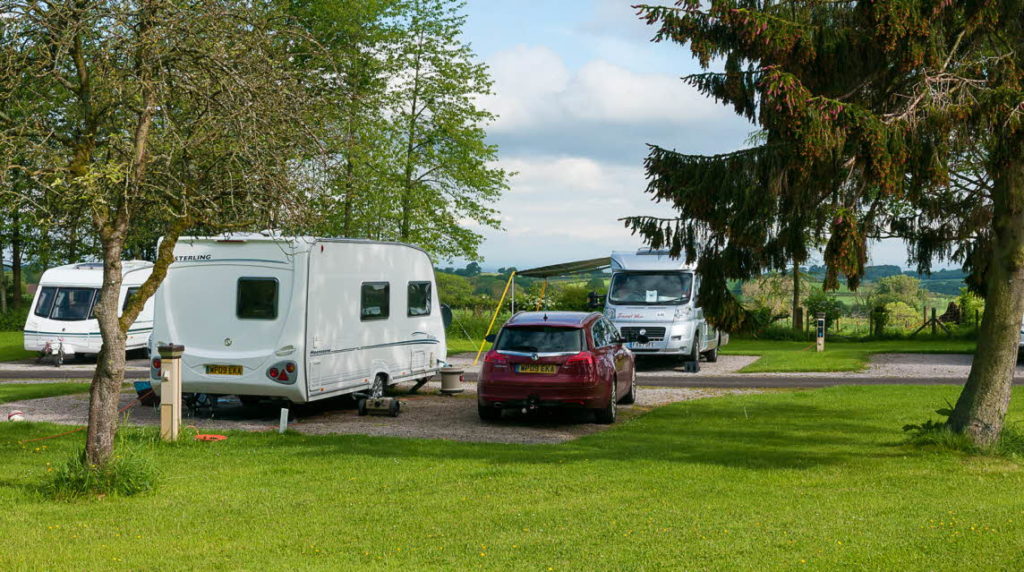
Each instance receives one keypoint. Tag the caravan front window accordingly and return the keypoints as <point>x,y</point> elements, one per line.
<point>72,304</point>
<point>45,301</point>
<point>376,301</point>
<point>257,299</point>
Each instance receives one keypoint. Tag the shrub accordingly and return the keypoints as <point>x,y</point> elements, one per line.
<point>901,315</point>
<point>819,301</point>
<point>14,320</point>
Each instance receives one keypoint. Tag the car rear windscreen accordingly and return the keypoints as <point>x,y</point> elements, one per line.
<point>541,339</point>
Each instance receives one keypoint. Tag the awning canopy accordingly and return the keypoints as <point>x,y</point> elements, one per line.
<point>567,268</point>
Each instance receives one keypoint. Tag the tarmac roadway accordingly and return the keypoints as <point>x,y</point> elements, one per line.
<point>906,369</point>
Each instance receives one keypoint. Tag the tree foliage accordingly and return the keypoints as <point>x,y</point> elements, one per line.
<point>900,118</point>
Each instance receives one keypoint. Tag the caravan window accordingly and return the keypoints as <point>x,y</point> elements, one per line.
<point>71,304</point>
<point>376,301</point>
<point>257,299</point>
<point>419,298</point>
<point>45,302</point>
<point>128,298</point>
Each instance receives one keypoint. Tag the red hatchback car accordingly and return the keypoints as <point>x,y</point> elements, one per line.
<point>544,359</point>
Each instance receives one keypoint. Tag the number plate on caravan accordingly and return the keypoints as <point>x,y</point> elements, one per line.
<point>224,370</point>
<point>536,368</point>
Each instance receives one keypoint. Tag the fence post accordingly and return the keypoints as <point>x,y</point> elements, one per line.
<point>934,322</point>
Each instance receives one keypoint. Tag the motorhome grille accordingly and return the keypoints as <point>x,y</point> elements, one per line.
<point>654,333</point>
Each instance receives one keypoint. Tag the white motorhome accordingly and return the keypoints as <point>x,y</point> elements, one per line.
<point>62,320</point>
<point>298,318</point>
<point>653,295</point>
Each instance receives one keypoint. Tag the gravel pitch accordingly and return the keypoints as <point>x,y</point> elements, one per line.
<point>427,415</point>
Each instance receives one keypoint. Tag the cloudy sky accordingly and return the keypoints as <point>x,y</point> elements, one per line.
<point>580,90</point>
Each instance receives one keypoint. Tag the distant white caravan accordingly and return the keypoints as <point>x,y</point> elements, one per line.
<point>62,320</point>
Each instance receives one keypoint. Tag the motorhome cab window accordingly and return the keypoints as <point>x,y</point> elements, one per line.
<point>651,288</point>
<point>257,299</point>
<point>419,298</point>
<point>71,304</point>
<point>376,301</point>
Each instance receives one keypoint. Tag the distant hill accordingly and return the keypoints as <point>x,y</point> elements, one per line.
<point>946,282</point>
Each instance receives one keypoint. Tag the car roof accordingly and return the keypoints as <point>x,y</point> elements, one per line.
<point>560,319</point>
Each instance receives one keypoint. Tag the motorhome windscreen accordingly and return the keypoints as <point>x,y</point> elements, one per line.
<point>651,288</point>
<point>71,304</point>
<point>257,299</point>
<point>542,339</point>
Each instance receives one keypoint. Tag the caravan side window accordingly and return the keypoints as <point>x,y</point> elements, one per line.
<point>419,298</point>
<point>257,299</point>
<point>376,301</point>
<point>128,298</point>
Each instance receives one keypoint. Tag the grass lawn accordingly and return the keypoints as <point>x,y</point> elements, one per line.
<point>462,345</point>
<point>778,356</point>
<point>12,347</point>
<point>20,391</point>
<point>819,479</point>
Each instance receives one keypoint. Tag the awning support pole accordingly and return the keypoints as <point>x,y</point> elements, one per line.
<point>497,310</point>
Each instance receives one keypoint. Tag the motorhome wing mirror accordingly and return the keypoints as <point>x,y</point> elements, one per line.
<point>446,315</point>
<point>593,300</point>
<point>643,339</point>
<point>490,338</point>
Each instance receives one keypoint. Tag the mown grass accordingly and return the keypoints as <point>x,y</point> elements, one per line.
<point>12,347</point>
<point>779,356</point>
<point>22,391</point>
<point>820,479</point>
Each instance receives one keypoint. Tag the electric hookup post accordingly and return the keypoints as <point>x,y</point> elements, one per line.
<point>820,316</point>
<point>170,391</point>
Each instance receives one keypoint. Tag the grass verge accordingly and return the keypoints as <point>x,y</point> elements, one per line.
<point>823,479</point>
<point>12,347</point>
<point>22,391</point>
<point>778,356</point>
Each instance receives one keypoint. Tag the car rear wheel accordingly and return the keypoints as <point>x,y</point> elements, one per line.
<point>606,415</point>
<point>488,413</point>
<point>630,397</point>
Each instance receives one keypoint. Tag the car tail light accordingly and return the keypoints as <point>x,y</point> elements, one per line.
<point>581,364</point>
<point>493,361</point>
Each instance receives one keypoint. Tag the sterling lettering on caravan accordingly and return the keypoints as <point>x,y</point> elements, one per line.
<point>193,258</point>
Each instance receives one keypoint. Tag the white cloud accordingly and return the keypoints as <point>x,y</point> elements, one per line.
<point>534,90</point>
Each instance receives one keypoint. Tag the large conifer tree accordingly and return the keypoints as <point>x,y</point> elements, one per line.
<point>895,118</point>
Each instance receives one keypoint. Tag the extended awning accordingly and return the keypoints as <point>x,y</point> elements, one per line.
<point>568,268</point>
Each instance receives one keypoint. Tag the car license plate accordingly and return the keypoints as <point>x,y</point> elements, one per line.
<point>224,370</point>
<point>536,368</point>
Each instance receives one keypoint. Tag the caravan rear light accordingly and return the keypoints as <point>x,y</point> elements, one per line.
<point>273,372</point>
<point>156,364</point>
<point>280,371</point>
<point>290,367</point>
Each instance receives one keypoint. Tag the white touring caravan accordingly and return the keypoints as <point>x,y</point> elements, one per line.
<point>655,296</point>
<point>62,321</point>
<point>298,318</point>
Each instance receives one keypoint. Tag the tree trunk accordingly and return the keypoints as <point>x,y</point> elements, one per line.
<point>105,392</point>
<point>16,258</point>
<point>981,408</point>
<point>798,318</point>
<point>3,282</point>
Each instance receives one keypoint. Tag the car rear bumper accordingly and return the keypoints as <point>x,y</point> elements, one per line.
<point>505,395</point>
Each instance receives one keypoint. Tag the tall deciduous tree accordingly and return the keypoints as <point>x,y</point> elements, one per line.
<point>151,117</point>
<point>881,118</point>
<point>445,177</point>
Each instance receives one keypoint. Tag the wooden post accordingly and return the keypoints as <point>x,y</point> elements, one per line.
<point>820,331</point>
<point>170,391</point>
<point>934,322</point>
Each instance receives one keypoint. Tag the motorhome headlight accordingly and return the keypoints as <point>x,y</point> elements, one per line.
<point>683,312</point>
<point>610,313</point>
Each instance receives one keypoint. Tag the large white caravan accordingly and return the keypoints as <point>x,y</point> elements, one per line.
<point>298,318</point>
<point>62,319</point>
<point>654,295</point>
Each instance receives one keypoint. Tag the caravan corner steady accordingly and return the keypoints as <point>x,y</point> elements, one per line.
<point>654,295</point>
<point>298,318</point>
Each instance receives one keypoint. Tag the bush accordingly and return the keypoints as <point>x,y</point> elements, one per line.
<point>128,473</point>
<point>901,315</point>
<point>969,303</point>
<point>14,320</point>
<point>827,304</point>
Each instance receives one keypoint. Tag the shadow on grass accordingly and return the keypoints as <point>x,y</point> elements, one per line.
<point>772,435</point>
